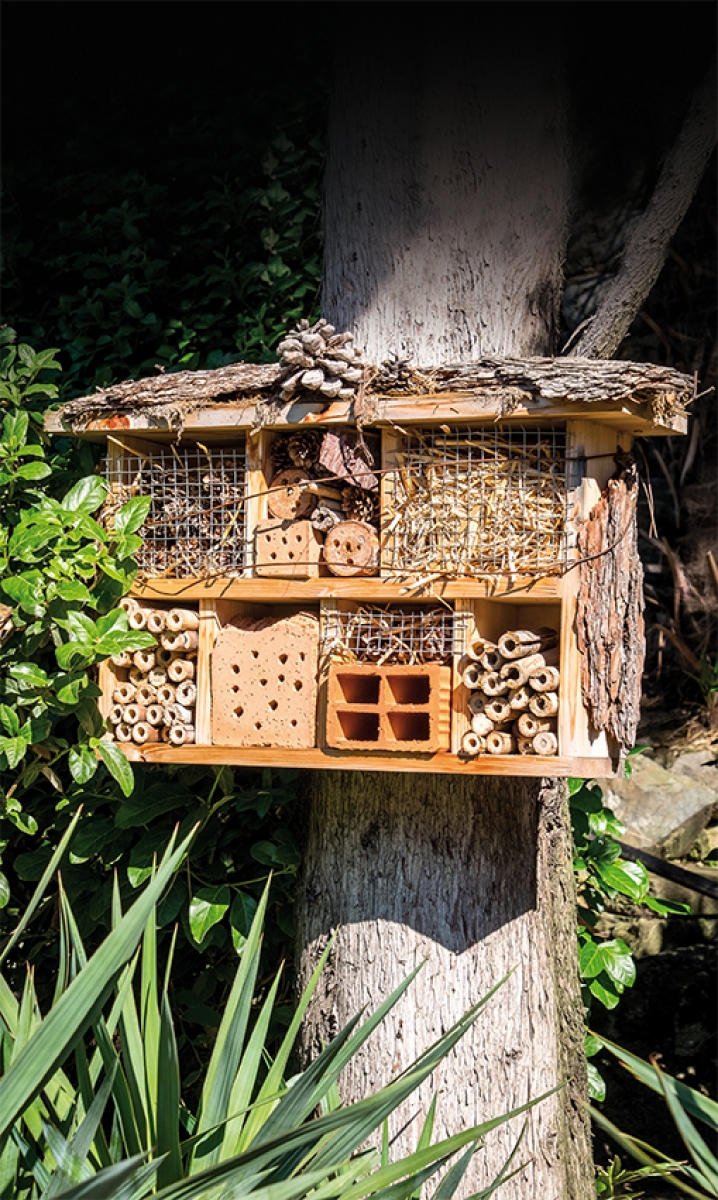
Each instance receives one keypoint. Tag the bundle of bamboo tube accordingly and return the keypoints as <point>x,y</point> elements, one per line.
<point>155,689</point>
<point>514,693</point>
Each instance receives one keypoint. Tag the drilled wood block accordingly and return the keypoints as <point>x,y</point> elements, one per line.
<point>389,708</point>
<point>287,549</point>
<point>264,682</point>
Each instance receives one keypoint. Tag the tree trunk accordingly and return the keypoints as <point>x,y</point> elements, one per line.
<point>445,217</point>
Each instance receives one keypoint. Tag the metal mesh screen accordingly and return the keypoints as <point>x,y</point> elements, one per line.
<point>379,635</point>
<point>469,501</point>
<point>196,525</point>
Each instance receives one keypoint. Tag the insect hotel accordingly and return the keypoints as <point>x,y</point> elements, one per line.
<point>382,568</point>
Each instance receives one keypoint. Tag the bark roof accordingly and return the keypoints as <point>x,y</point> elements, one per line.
<point>511,381</point>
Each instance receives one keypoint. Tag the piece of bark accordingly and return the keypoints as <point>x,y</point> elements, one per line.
<point>609,617</point>
<point>511,380</point>
<point>344,456</point>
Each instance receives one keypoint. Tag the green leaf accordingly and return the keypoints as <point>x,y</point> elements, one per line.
<point>4,890</point>
<point>590,959</point>
<point>206,908</point>
<point>82,763</point>
<point>592,1045</point>
<point>133,514</point>
<point>628,878</point>
<point>118,766</point>
<point>605,990</point>
<point>596,1083</point>
<point>14,750</point>
<point>241,915</point>
<point>618,962</point>
<point>29,675</point>
<point>86,496</point>
<point>33,470</point>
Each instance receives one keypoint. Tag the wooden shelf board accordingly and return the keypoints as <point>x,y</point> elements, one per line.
<point>221,421</point>
<point>338,760</point>
<point>299,591</point>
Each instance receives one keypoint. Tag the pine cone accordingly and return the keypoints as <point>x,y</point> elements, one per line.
<point>359,505</point>
<point>318,359</point>
<point>279,454</point>
<point>303,447</point>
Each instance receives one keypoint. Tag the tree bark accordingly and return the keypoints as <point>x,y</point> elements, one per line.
<point>445,219</point>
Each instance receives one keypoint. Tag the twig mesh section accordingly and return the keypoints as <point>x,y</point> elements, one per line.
<point>467,501</point>
<point>406,635</point>
<point>196,524</point>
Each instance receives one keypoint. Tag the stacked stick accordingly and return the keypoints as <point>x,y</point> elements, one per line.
<point>156,690</point>
<point>514,693</point>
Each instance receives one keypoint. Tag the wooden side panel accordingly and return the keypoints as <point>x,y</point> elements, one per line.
<point>460,717</point>
<point>591,447</point>
<point>257,483</point>
<point>389,447</point>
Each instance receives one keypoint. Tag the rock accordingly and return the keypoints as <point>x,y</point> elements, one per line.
<point>701,765</point>
<point>662,810</point>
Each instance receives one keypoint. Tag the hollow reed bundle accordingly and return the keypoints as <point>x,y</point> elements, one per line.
<point>513,709</point>
<point>154,703</point>
<point>477,502</point>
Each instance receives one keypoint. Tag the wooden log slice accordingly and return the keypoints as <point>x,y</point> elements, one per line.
<point>352,548</point>
<point>289,497</point>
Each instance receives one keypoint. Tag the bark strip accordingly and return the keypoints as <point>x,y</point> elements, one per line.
<point>609,618</point>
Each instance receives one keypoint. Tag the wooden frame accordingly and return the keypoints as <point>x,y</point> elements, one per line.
<point>490,605</point>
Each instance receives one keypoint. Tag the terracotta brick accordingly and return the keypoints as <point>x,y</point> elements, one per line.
<point>264,682</point>
<point>389,708</point>
<point>289,549</point>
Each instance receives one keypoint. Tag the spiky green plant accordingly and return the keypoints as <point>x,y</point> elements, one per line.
<point>700,1179</point>
<point>118,1128</point>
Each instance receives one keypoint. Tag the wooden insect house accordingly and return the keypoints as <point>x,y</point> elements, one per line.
<point>388,568</point>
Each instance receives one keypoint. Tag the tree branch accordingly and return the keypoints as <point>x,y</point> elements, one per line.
<point>647,248</point>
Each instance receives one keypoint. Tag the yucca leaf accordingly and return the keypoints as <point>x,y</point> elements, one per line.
<point>197,1187</point>
<point>275,1075</point>
<point>695,1103</point>
<point>125,1180</point>
<point>227,1051</point>
<point>246,1077</point>
<point>168,1100</point>
<point>39,892</point>
<point>425,1136</point>
<point>453,1177</point>
<point>703,1157</point>
<point>150,1020</point>
<point>85,1086</point>
<point>646,1155</point>
<point>70,1167</point>
<point>66,1023</point>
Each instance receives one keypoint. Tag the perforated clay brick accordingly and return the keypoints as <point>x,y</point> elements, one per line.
<point>289,549</point>
<point>388,708</point>
<point>264,682</point>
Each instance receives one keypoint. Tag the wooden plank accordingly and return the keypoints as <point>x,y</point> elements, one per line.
<point>257,483</point>
<point>326,607</point>
<point>301,591</point>
<point>207,638</point>
<point>460,716</point>
<point>387,483</point>
<point>598,443</point>
<point>216,422</point>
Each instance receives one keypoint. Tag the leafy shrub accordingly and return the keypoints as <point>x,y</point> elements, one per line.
<point>606,965</point>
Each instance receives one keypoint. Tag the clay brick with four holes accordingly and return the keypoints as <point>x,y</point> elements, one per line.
<point>288,549</point>
<point>388,708</point>
<point>264,682</point>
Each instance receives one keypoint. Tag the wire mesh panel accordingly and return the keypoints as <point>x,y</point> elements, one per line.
<point>196,524</point>
<point>406,635</point>
<point>468,501</point>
